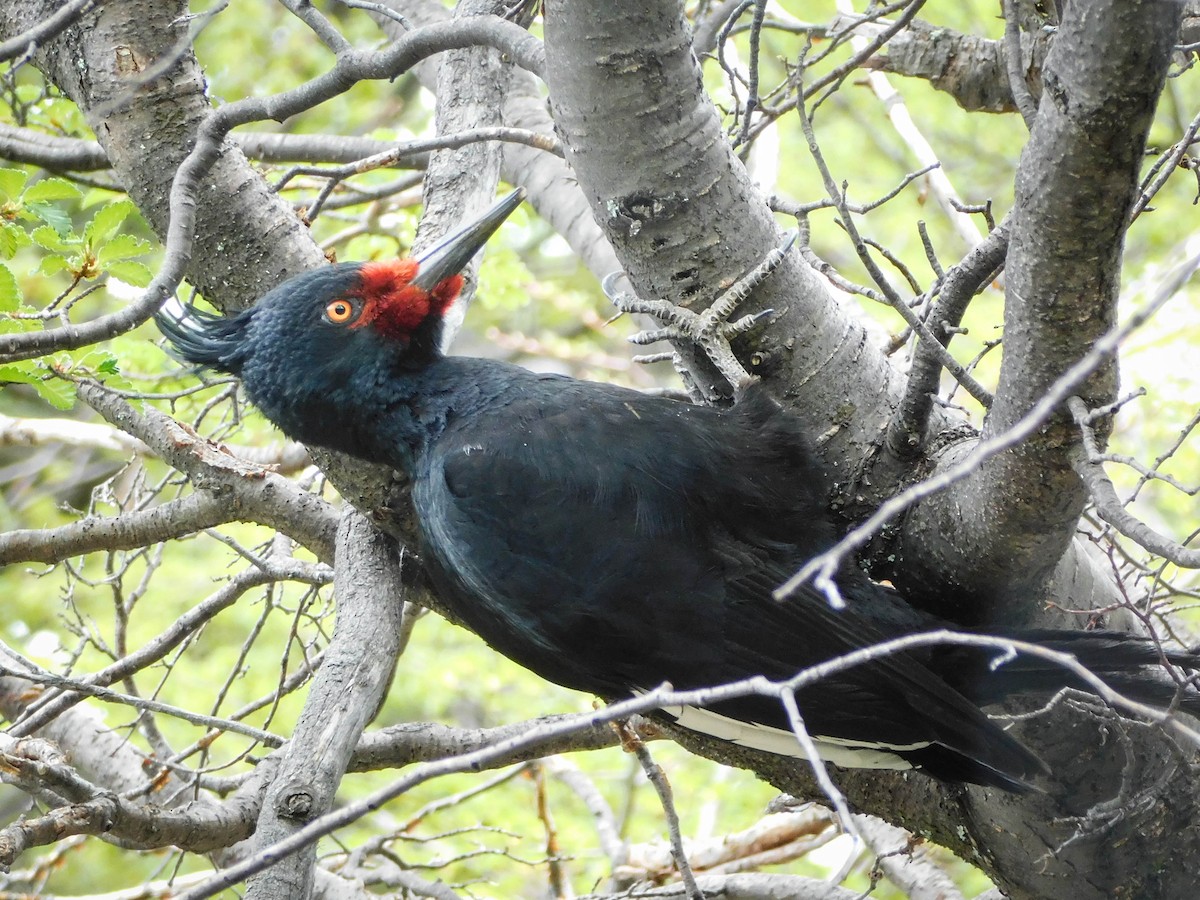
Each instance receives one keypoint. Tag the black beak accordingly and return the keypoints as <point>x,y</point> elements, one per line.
<point>453,252</point>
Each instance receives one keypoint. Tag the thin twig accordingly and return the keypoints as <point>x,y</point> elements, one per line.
<point>822,568</point>
<point>1088,465</point>
<point>978,391</point>
<point>1015,66</point>
<point>632,743</point>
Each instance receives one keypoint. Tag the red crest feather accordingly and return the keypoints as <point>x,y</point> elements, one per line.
<point>395,306</point>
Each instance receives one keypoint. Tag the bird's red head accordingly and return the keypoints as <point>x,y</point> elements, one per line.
<point>324,350</point>
<point>398,298</point>
<point>386,299</point>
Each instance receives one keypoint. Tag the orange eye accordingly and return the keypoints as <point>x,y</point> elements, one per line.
<point>339,312</point>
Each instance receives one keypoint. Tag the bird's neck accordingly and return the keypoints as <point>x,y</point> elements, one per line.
<point>403,415</point>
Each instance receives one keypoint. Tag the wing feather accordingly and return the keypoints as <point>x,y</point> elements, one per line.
<point>658,566</point>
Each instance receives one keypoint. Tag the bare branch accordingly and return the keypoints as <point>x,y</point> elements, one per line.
<point>46,679</point>
<point>907,431</point>
<point>37,432</point>
<point>1015,515</point>
<point>776,838</point>
<point>60,154</point>
<point>905,861</point>
<point>1088,463</point>
<point>344,696</point>
<point>969,68</point>
<point>95,810</point>
<point>402,745</point>
<point>822,568</point>
<point>24,44</point>
<point>173,519</point>
<point>255,493</point>
<point>935,347</point>
<point>758,886</point>
<point>658,778</point>
<point>1015,65</point>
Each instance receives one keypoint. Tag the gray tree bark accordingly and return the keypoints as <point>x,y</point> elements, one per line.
<point>651,160</point>
<point>347,690</point>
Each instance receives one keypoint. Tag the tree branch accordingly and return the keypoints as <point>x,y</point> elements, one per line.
<point>1010,521</point>
<point>1089,465</point>
<point>908,430</point>
<point>344,696</point>
<point>969,68</point>
<point>250,492</point>
<point>173,519</point>
<point>95,810</point>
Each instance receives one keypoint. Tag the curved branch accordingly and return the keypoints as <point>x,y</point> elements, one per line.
<point>62,154</point>
<point>344,695</point>
<point>1014,64</point>
<point>351,67</point>
<point>173,519</point>
<point>1010,521</point>
<point>92,809</point>
<point>251,492</point>
<point>1089,465</point>
<point>26,42</point>
<point>907,431</point>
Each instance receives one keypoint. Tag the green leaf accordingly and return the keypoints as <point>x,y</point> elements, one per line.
<point>134,273</point>
<point>95,196</point>
<point>52,189</point>
<point>122,246</point>
<point>56,218</point>
<point>49,239</point>
<point>12,239</point>
<point>20,373</point>
<point>53,264</point>
<point>29,93</point>
<point>58,392</point>
<point>106,367</point>
<point>10,291</point>
<point>106,221</point>
<point>12,182</point>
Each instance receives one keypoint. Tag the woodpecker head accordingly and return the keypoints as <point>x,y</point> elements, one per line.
<point>321,348</point>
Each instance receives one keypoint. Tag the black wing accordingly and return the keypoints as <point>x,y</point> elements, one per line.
<point>611,542</point>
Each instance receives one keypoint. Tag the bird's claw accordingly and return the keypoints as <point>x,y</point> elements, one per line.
<point>710,330</point>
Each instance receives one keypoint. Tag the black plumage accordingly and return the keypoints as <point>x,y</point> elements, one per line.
<point>612,541</point>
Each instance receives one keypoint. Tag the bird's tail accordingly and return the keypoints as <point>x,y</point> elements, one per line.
<point>1136,667</point>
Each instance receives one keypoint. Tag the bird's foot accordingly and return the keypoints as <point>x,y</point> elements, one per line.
<point>711,330</point>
